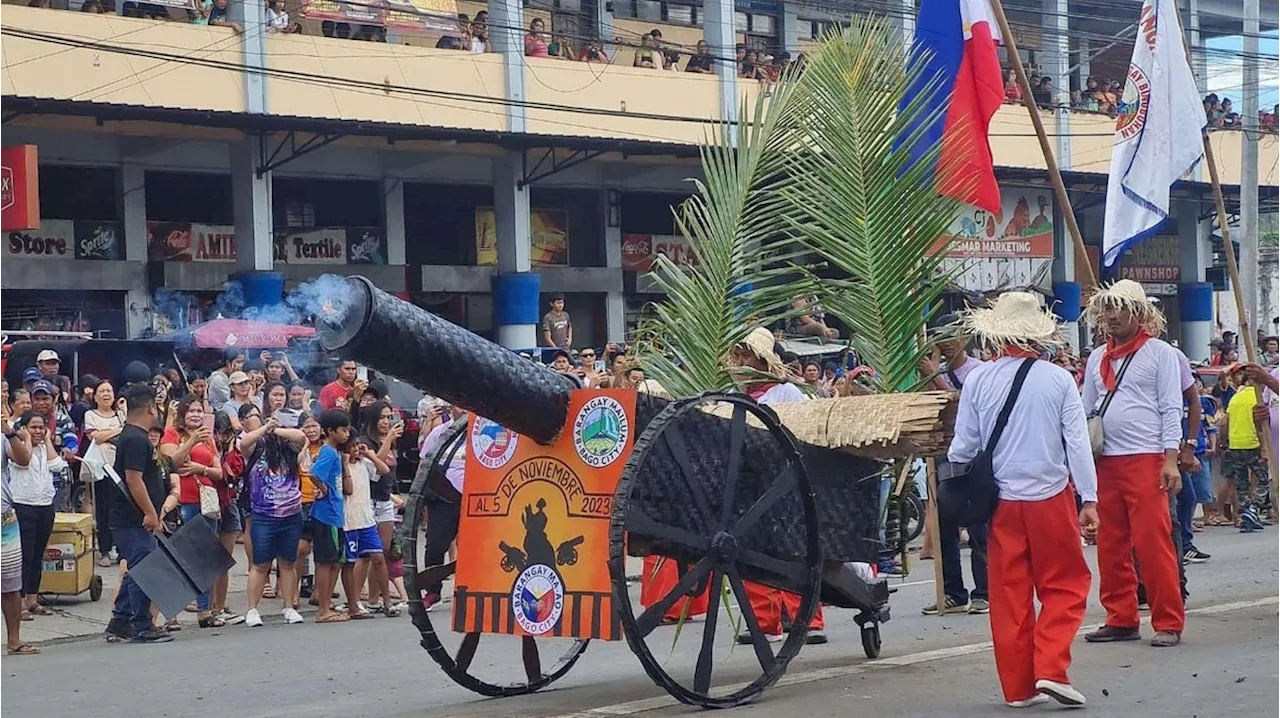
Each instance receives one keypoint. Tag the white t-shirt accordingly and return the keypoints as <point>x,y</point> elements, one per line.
<point>477,46</point>
<point>33,484</point>
<point>95,421</point>
<point>357,508</point>
<point>277,21</point>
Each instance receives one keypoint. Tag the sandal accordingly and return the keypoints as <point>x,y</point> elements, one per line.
<point>104,561</point>
<point>27,615</point>
<point>362,616</point>
<point>25,649</point>
<point>212,622</point>
<point>173,626</point>
<point>268,591</point>
<point>392,611</point>
<point>333,618</point>
<point>41,610</point>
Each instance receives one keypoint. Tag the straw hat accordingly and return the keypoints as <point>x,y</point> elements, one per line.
<point>1014,318</point>
<point>1127,294</point>
<point>760,342</point>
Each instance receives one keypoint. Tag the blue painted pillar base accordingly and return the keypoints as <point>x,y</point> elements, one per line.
<point>1195,306</point>
<point>1067,306</point>
<point>261,291</point>
<point>515,309</point>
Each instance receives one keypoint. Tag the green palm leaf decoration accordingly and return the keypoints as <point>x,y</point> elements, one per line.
<point>870,211</point>
<point>735,224</point>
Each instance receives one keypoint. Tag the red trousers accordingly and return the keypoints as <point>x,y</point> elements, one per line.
<point>769,603</point>
<point>1034,552</point>
<point>654,586</point>
<point>1133,514</point>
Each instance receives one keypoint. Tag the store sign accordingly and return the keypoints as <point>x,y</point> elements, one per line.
<point>548,236</point>
<point>333,245</point>
<point>988,251</point>
<point>1153,260</point>
<point>638,251</point>
<point>19,188</point>
<point>190,242</point>
<point>68,239</point>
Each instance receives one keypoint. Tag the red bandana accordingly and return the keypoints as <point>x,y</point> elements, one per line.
<point>1019,352</point>
<point>1119,351</point>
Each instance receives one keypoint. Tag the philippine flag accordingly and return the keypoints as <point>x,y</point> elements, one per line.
<point>956,39</point>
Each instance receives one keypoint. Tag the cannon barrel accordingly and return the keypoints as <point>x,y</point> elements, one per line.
<point>444,360</point>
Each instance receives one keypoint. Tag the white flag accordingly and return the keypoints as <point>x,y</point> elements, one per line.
<point>1157,132</point>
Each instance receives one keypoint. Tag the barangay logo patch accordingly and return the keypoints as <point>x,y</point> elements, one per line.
<point>537,599</point>
<point>492,445</point>
<point>600,431</point>
<point>1134,103</point>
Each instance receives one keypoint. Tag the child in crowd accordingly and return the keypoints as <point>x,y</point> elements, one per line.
<point>332,483</point>
<point>1244,454</point>
<point>364,547</point>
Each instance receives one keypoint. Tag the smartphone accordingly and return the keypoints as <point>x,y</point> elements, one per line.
<point>362,374</point>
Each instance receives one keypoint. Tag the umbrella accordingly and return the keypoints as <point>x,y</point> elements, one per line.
<point>220,333</point>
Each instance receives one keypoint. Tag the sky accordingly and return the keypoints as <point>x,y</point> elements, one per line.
<point>1225,74</point>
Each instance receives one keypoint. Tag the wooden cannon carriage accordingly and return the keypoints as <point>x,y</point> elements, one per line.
<point>728,489</point>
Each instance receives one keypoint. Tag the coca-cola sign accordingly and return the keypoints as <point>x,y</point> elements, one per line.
<point>190,242</point>
<point>638,251</point>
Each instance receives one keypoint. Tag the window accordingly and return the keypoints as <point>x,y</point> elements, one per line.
<point>649,10</point>
<point>679,14</point>
<point>762,24</point>
<point>741,22</point>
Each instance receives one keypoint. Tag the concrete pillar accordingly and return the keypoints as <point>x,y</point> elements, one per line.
<point>1083,62</point>
<point>1066,290</point>
<point>393,220</point>
<point>515,287</point>
<point>1195,296</point>
<point>251,205</point>
<point>606,30</point>
<point>1055,56</point>
<point>719,30</point>
<point>905,18</point>
<point>1198,66</point>
<point>137,302</point>
<point>791,29</point>
<point>615,320</point>
<point>506,32</point>
<point>252,17</point>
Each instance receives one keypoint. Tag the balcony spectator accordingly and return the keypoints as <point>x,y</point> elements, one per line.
<point>456,41</point>
<point>647,54</point>
<point>561,48</point>
<point>701,62</point>
<point>93,6</point>
<point>812,323</point>
<point>751,66</point>
<point>739,57</point>
<point>369,33</point>
<point>670,60</point>
<point>535,41</point>
<point>1230,120</point>
<point>594,52</point>
<point>480,34</point>
<point>218,17</point>
<point>1043,92</point>
<point>1012,90</point>
<point>278,18</point>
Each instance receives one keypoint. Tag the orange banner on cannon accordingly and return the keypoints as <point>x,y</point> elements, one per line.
<point>533,541</point>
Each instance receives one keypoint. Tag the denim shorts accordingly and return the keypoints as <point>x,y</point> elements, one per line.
<point>275,538</point>
<point>1201,482</point>
<point>232,522</point>
<point>191,511</point>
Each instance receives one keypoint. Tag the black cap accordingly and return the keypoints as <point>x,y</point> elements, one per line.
<point>560,353</point>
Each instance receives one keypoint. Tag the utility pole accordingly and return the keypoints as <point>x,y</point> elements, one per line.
<point>1249,169</point>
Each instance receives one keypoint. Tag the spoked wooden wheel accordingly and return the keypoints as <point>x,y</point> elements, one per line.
<point>460,664</point>
<point>707,492</point>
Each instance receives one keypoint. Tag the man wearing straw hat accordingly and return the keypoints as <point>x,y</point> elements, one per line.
<point>757,353</point>
<point>1033,544</point>
<point>1137,464</point>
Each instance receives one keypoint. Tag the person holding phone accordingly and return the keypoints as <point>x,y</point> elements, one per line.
<point>383,428</point>
<point>102,424</point>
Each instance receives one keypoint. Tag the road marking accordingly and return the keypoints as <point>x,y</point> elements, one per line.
<point>826,674</point>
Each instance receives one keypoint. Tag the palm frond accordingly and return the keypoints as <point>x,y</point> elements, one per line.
<point>735,223</point>
<point>871,210</point>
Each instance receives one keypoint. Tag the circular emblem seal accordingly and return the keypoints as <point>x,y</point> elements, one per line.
<point>1132,112</point>
<point>600,431</point>
<point>537,599</point>
<point>491,444</point>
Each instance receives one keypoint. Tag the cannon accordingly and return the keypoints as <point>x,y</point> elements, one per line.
<point>728,489</point>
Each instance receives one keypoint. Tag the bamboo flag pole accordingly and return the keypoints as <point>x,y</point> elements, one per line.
<point>1084,268</point>
<point>1233,271</point>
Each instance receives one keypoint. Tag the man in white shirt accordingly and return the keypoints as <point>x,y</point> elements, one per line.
<point>1138,463</point>
<point>958,599</point>
<point>1034,549</point>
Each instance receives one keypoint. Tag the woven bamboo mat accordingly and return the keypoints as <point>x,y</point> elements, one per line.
<point>882,426</point>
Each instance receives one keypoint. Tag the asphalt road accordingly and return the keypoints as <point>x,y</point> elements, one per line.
<point>930,666</point>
